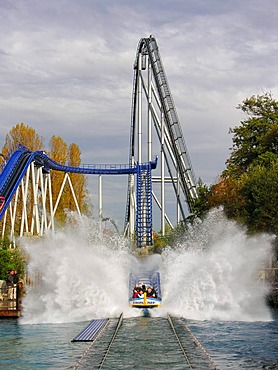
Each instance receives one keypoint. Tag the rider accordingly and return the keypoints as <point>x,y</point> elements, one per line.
<point>151,293</point>
<point>136,291</point>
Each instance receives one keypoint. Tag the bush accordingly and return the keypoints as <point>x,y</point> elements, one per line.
<point>10,259</point>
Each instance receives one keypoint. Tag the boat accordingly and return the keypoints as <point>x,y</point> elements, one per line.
<point>147,279</point>
<point>145,302</point>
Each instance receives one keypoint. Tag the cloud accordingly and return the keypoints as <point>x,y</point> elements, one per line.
<point>67,69</point>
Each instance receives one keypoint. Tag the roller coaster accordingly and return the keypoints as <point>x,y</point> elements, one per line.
<point>155,128</point>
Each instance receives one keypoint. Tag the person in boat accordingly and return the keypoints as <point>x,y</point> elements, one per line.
<point>136,291</point>
<point>137,288</point>
<point>151,293</point>
<point>141,293</point>
<point>142,286</point>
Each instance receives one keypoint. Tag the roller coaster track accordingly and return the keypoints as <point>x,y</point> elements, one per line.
<point>162,115</point>
<point>121,345</point>
<point>175,164</point>
<point>22,159</point>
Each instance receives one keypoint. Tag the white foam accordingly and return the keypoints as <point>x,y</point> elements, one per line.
<point>80,274</point>
<point>213,273</point>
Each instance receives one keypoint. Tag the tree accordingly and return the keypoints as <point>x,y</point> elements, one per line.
<point>58,151</point>
<point>227,192</point>
<point>79,181</point>
<point>248,187</point>
<point>71,156</point>
<point>260,190</point>
<point>10,259</point>
<point>24,135</point>
<point>256,135</point>
<point>201,205</point>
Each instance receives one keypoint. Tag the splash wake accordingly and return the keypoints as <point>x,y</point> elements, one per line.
<point>80,274</point>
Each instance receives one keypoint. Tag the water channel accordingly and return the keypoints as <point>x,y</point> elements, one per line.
<point>209,281</point>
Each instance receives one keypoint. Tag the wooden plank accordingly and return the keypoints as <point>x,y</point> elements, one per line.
<point>10,313</point>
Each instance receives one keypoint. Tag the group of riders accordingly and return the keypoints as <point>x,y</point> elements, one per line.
<point>140,289</point>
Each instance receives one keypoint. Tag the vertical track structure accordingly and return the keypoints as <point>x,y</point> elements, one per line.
<point>155,129</point>
<point>144,224</point>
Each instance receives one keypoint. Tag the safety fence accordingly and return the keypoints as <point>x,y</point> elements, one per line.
<point>10,299</point>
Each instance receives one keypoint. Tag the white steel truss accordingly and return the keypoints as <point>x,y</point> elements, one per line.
<point>155,130</point>
<point>36,213</point>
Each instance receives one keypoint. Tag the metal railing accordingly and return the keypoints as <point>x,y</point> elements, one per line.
<point>10,297</point>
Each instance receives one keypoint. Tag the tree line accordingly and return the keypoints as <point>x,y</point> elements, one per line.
<point>248,187</point>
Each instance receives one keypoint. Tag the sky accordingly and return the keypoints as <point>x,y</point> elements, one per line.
<point>66,69</point>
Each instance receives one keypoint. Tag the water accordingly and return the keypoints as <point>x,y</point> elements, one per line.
<point>209,280</point>
<point>42,346</point>
<point>239,344</point>
<point>231,345</point>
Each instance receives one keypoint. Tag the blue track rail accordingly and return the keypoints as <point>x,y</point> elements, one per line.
<point>20,160</point>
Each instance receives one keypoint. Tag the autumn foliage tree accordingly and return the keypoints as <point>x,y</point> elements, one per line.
<point>79,182</point>
<point>59,152</point>
<point>21,134</point>
<point>71,156</point>
<point>24,135</point>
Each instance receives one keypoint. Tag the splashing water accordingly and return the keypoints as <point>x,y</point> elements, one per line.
<point>79,274</point>
<point>213,273</point>
<point>84,274</point>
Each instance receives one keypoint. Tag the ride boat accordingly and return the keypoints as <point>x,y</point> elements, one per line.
<point>145,300</point>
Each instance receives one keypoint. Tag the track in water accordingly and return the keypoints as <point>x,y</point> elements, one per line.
<point>145,343</point>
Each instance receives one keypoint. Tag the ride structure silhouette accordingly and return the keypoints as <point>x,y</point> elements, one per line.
<point>155,129</point>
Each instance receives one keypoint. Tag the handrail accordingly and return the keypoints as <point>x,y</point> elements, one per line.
<point>20,160</point>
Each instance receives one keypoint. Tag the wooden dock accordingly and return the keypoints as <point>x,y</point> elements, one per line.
<point>11,307</point>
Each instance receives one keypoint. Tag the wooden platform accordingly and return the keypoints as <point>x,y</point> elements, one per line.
<point>9,313</point>
<point>11,308</point>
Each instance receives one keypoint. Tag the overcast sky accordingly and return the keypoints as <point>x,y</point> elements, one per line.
<point>67,70</point>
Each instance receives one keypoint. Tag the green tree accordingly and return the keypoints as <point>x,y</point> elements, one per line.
<point>256,135</point>
<point>10,259</point>
<point>260,190</point>
<point>201,204</point>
